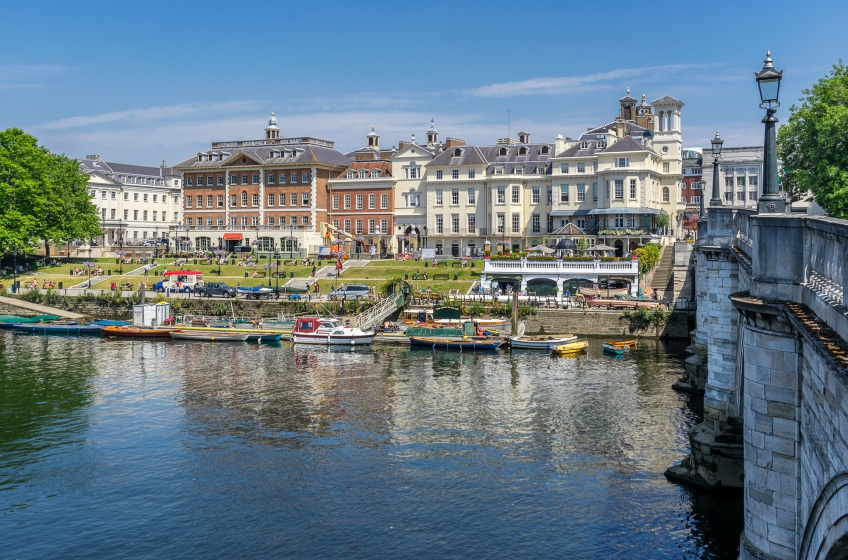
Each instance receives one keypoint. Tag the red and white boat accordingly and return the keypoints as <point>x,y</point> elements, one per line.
<point>314,330</point>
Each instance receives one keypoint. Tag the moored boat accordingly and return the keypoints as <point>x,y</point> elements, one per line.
<point>314,330</point>
<point>209,336</point>
<point>57,328</point>
<point>255,292</point>
<point>137,332</point>
<point>456,344</point>
<point>264,337</point>
<point>615,349</point>
<point>540,342</point>
<point>570,348</point>
<point>622,343</point>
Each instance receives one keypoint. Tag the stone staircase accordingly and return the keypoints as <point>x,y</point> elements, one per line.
<point>663,278</point>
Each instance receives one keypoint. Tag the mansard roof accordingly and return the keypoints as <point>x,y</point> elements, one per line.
<point>107,168</point>
<point>577,150</point>
<point>491,156</point>
<point>385,168</point>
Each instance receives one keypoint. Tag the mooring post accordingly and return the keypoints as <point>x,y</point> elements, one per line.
<point>514,313</point>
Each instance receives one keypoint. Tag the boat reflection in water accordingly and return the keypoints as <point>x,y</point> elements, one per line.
<point>323,451</point>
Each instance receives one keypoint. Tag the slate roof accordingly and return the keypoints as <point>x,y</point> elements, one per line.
<point>666,99</point>
<point>626,144</point>
<point>305,154</point>
<point>491,156</point>
<point>384,166</point>
<point>108,168</point>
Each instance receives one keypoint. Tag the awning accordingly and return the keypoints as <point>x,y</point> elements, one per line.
<point>603,211</point>
<point>232,237</point>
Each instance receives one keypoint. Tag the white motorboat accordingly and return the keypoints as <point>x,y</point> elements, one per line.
<point>314,330</point>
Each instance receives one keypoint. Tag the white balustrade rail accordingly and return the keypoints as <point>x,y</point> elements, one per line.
<point>560,267</point>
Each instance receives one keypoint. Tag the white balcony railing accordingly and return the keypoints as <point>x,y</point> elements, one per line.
<point>565,267</point>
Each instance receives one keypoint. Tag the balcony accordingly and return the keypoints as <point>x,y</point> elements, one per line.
<point>524,266</point>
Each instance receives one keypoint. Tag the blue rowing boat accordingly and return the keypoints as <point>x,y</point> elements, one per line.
<point>264,337</point>
<point>614,349</point>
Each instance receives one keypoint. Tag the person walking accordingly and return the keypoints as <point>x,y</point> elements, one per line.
<point>314,270</point>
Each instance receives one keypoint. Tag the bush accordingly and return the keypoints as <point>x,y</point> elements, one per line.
<point>648,256</point>
<point>33,296</point>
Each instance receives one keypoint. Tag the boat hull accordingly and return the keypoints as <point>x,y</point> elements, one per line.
<point>570,348</point>
<point>455,344</point>
<point>264,337</point>
<point>135,332</point>
<point>622,343</point>
<point>58,329</point>
<point>343,340</point>
<point>531,343</point>
<point>613,349</point>
<point>210,337</point>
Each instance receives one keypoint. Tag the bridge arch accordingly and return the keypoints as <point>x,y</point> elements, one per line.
<point>826,531</point>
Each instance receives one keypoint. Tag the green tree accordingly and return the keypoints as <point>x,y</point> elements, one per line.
<point>662,220</point>
<point>45,195</point>
<point>813,144</point>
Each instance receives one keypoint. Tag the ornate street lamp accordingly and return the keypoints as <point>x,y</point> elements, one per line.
<point>716,150</point>
<point>703,185</point>
<point>768,80</point>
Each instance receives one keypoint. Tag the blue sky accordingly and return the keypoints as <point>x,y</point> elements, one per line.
<point>143,82</point>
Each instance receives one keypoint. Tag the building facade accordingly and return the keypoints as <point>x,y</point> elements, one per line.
<point>691,195</point>
<point>740,175</point>
<point>271,193</point>
<point>137,204</point>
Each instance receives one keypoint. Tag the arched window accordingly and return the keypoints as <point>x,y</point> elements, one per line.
<point>244,198</point>
<point>503,152</point>
<point>522,151</point>
<point>666,194</point>
<point>457,153</point>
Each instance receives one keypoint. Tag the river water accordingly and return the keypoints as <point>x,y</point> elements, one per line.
<point>121,448</point>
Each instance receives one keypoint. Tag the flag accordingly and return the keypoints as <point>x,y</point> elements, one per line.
<point>338,263</point>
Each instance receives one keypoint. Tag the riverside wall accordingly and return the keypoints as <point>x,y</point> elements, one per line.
<point>607,323</point>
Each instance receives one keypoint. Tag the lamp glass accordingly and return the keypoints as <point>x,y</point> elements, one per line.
<point>769,88</point>
<point>716,143</point>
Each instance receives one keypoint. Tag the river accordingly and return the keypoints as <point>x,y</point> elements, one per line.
<point>122,448</point>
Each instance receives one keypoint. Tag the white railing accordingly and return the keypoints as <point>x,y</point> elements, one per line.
<point>376,314</point>
<point>553,267</point>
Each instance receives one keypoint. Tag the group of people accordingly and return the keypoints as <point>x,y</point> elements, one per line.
<point>419,276</point>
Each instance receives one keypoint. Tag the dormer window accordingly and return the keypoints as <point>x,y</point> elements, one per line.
<point>503,152</point>
<point>350,174</point>
<point>457,153</point>
<point>362,174</point>
<point>375,173</point>
<point>584,145</point>
<point>522,151</point>
<point>602,145</point>
<point>545,150</point>
<point>518,170</point>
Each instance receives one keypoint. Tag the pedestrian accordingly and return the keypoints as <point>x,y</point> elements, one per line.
<point>314,270</point>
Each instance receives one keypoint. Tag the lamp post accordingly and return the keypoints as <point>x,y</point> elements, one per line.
<point>290,242</point>
<point>703,185</point>
<point>716,149</point>
<point>768,81</point>
<point>15,271</point>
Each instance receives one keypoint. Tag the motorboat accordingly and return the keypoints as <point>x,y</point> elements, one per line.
<point>570,348</point>
<point>314,330</point>
<point>255,292</point>
<point>209,336</point>
<point>460,344</point>
<point>137,332</point>
<point>540,342</point>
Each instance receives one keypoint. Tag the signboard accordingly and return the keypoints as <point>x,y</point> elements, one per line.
<point>324,251</point>
<point>428,254</point>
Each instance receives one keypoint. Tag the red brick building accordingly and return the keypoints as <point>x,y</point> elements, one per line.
<point>691,193</point>
<point>271,192</point>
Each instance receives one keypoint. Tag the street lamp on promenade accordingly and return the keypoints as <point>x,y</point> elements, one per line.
<point>703,185</point>
<point>768,81</point>
<point>716,149</point>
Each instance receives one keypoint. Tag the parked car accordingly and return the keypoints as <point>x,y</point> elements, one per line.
<point>216,289</point>
<point>351,291</point>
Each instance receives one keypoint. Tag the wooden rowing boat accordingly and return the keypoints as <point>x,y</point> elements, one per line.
<point>570,348</point>
<point>209,336</point>
<point>541,342</point>
<point>137,332</point>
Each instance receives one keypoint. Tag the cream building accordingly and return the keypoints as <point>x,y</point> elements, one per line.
<point>136,203</point>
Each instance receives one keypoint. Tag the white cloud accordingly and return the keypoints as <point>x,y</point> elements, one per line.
<point>565,84</point>
<point>28,76</point>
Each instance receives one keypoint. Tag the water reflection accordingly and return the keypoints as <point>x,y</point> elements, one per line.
<point>238,449</point>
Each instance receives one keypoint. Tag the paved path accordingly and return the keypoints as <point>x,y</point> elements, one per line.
<point>40,309</point>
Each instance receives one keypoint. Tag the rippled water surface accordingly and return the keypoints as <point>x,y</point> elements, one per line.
<point>120,448</point>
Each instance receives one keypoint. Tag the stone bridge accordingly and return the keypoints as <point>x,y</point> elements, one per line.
<point>771,359</point>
